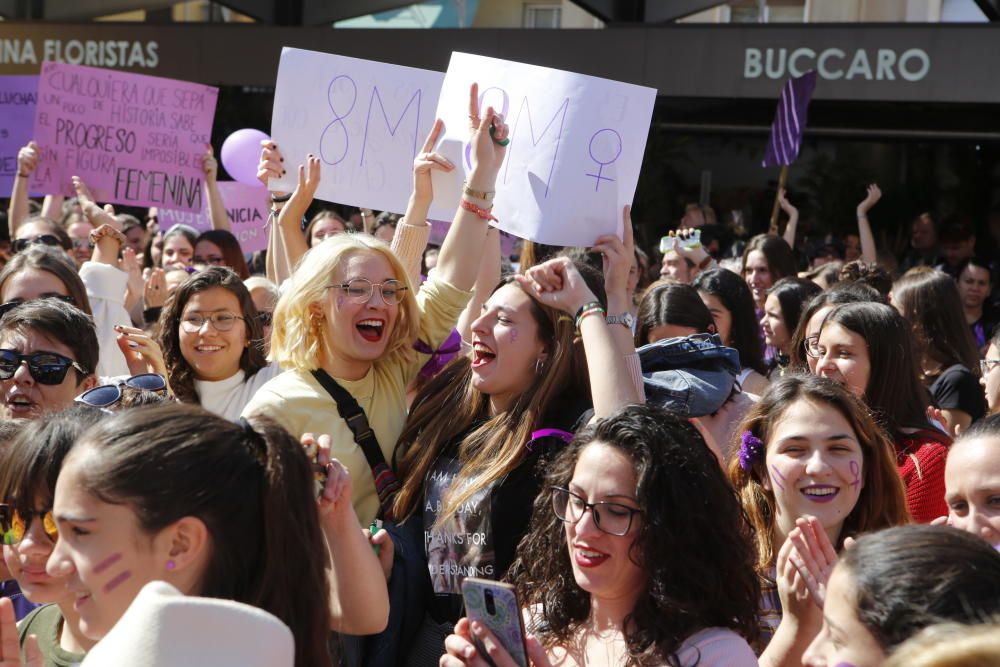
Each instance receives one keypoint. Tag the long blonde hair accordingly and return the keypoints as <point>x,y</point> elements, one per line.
<point>449,406</point>
<point>298,338</point>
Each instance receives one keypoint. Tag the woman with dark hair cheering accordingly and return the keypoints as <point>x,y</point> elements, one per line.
<point>622,562</point>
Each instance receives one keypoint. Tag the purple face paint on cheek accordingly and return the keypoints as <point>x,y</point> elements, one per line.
<point>856,471</point>
<point>843,664</point>
<point>513,335</point>
<point>117,581</point>
<point>778,476</point>
<point>107,562</point>
<point>340,302</point>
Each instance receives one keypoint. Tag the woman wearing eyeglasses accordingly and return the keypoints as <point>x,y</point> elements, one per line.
<point>27,486</point>
<point>638,553</point>
<point>48,353</point>
<point>218,247</point>
<point>211,336</point>
<point>349,316</point>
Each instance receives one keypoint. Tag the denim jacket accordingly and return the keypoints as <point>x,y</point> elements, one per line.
<point>692,376</point>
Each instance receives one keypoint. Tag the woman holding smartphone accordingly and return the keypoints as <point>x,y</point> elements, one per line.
<point>632,501</point>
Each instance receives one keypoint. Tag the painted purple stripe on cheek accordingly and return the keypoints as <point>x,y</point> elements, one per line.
<point>778,476</point>
<point>843,664</point>
<point>107,562</point>
<point>117,581</point>
<point>856,471</point>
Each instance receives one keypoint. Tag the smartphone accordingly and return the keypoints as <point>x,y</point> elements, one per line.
<point>495,605</point>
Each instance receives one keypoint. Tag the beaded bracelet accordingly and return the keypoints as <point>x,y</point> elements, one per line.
<point>587,306</point>
<point>482,213</point>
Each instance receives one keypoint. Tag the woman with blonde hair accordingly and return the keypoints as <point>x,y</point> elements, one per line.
<point>349,315</point>
<point>809,448</point>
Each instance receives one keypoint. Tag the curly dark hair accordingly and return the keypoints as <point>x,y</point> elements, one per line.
<point>179,371</point>
<point>693,529</point>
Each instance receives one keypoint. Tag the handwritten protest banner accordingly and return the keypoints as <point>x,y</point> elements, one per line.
<point>18,95</point>
<point>247,206</point>
<point>576,145</point>
<point>365,120</point>
<point>134,139</point>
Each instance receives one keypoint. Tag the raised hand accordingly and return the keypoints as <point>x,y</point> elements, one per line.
<point>154,293</point>
<point>130,265</point>
<point>309,175</point>
<point>142,353</point>
<point>874,194</point>
<point>210,165</point>
<point>27,159</point>
<point>427,161</point>
<point>98,216</point>
<point>786,205</point>
<point>335,497</point>
<point>488,151</point>
<point>617,255</point>
<point>557,284</point>
<point>271,163</point>
<point>10,649</point>
<point>813,556</point>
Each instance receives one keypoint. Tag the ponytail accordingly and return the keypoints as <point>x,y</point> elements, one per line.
<point>251,485</point>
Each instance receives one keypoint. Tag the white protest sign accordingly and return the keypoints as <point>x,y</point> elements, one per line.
<point>365,120</point>
<point>576,145</point>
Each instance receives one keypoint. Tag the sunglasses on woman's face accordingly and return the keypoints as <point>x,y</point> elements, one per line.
<point>109,394</point>
<point>20,245</point>
<point>15,523</point>
<point>46,368</point>
<point>14,303</point>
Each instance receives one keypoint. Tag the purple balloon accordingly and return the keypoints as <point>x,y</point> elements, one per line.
<point>241,153</point>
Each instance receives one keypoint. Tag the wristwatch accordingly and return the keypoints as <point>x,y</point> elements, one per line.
<point>625,319</point>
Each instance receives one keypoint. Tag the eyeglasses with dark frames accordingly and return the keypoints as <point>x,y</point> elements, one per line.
<point>987,365</point>
<point>610,517</point>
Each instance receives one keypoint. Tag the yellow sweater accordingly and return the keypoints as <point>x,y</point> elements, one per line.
<point>301,405</point>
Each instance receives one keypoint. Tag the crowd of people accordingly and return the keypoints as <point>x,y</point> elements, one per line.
<point>752,452</point>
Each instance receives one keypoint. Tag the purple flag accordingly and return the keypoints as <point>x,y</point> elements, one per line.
<point>790,121</point>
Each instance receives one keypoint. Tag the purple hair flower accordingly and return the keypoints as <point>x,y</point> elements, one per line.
<point>751,450</point>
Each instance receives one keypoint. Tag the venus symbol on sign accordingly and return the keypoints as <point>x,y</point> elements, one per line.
<point>610,143</point>
<point>327,147</point>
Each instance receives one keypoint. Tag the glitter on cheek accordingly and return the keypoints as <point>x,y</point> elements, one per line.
<point>778,476</point>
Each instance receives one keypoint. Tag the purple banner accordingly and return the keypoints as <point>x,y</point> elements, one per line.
<point>134,139</point>
<point>790,120</point>
<point>18,97</point>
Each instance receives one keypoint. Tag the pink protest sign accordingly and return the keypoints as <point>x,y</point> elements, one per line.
<point>18,95</point>
<point>247,206</point>
<point>134,139</point>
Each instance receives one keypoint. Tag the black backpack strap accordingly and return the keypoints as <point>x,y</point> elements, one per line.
<point>386,484</point>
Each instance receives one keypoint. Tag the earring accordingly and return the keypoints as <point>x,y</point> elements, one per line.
<point>539,366</point>
<point>171,564</point>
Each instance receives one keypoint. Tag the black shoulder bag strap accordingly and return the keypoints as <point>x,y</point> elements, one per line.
<point>386,484</point>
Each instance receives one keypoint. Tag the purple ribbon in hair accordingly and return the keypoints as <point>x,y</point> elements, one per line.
<point>751,450</point>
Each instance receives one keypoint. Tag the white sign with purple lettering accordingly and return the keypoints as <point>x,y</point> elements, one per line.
<point>576,145</point>
<point>365,120</point>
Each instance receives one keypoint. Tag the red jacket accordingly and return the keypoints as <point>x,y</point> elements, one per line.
<point>920,457</point>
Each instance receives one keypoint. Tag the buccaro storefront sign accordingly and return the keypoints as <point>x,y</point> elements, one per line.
<point>834,64</point>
